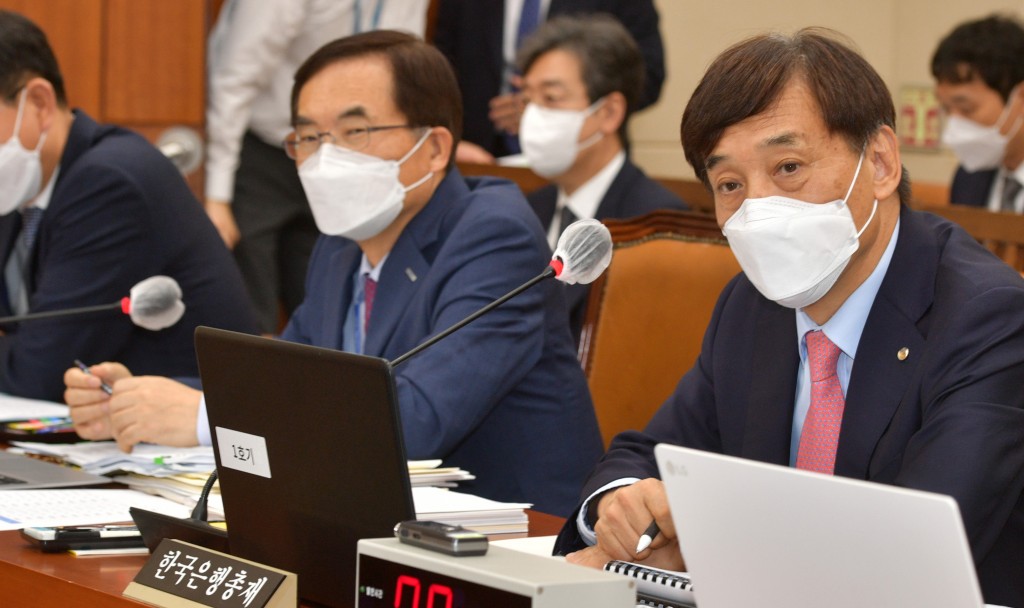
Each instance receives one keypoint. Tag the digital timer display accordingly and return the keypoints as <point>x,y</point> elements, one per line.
<point>385,584</point>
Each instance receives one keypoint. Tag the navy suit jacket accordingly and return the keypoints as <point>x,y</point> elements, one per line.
<point>630,194</point>
<point>949,418</point>
<point>120,212</point>
<point>470,34</point>
<point>972,188</point>
<point>503,397</point>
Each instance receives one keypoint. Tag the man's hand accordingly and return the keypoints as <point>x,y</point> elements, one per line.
<point>223,220</point>
<point>468,152</point>
<point>155,410</point>
<point>623,515</point>
<point>90,406</point>
<point>506,110</point>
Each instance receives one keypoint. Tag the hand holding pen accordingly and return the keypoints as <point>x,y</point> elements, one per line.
<point>648,536</point>
<point>85,369</point>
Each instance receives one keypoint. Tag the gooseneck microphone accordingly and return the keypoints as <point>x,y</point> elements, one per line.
<point>152,304</point>
<point>199,512</point>
<point>582,253</point>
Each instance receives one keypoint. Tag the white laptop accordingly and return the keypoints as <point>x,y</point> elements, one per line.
<point>756,534</point>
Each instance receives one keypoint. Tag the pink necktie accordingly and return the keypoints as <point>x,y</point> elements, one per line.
<point>369,292</point>
<point>820,436</point>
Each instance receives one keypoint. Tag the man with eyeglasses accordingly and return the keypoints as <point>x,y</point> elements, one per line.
<point>409,248</point>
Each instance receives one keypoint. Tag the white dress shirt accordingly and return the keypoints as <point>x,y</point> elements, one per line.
<point>995,197</point>
<point>254,50</point>
<point>586,199</point>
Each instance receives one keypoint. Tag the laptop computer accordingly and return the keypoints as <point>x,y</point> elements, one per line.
<point>755,534</point>
<point>309,452</point>
<point>18,472</point>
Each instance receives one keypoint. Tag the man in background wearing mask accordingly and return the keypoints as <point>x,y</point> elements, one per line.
<point>86,212</point>
<point>582,80</point>
<point>978,70</point>
<point>862,339</point>
<point>409,249</point>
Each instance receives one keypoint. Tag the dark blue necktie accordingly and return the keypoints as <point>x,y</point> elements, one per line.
<point>529,19</point>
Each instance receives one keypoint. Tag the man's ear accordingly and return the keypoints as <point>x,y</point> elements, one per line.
<point>612,112</point>
<point>883,153</point>
<point>440,143</point>
<point>41,100</point>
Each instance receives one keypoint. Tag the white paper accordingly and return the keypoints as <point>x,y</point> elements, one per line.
<point>36,508</point>
<point>103,457</point>
<point>19,408</point>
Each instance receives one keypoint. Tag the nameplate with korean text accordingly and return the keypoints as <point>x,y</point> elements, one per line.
<point>182,575</point>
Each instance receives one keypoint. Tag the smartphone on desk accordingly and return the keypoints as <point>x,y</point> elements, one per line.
<point>65,538</point>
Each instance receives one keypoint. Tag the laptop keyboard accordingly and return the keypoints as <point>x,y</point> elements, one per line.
<point>8,481</point>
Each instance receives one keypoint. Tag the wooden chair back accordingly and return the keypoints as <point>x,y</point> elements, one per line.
<point>647,313</point>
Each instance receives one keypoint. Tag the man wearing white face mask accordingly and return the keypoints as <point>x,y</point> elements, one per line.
<point>978,71</point>
<point>409,248</point>
<point>86,212</point>
<point>863,339</point>
<point>582,78</point>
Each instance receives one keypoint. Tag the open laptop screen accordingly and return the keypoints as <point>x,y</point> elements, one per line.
<point>756,534</point>
<point>309,452</point>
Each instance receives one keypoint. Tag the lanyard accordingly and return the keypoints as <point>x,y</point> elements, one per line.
<point>358,12</point>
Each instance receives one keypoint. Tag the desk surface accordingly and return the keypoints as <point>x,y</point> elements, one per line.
<point>32,578</point>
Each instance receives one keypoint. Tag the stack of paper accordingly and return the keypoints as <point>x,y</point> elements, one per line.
<point>104,457</point>
<point>431,473</point>
<point>480,514</point>
<point>183,488</point>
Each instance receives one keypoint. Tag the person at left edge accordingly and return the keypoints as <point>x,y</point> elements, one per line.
<point>377,116</point>
<point>88,211</point>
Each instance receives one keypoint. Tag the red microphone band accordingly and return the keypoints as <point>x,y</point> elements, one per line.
<point>126,305</point>
<point>558,265</point>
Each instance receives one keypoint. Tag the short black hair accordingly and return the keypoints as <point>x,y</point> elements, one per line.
<point>425,89</point>
<point>852,98</point>
<point>991,49</point>
<point>25,53</point>
<point>609,58</point>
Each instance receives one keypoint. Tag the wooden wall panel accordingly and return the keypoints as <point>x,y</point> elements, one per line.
<point>155,52</point>
<point>75,31</point>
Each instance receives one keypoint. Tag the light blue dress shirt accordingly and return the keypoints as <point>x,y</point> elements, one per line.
<point>844,330</point>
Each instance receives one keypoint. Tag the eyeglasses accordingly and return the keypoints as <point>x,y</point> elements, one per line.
<point>352,134</point>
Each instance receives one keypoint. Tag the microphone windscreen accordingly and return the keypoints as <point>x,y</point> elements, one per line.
<point>156,303</point>
<point>585,250</point>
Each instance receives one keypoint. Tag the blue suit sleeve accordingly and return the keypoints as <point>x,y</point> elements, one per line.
<point>486,256</point>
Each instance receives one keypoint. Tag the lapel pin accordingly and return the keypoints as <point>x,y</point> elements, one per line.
<point>903,353</point>
<point>412,275</point>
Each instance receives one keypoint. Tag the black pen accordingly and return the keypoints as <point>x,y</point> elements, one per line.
<point>103,385</point>
<point>648,536</point>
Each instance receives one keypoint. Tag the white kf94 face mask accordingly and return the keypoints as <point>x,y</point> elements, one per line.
<point>21,171</point>
<point>793,251</point>
<point>979,147</point>
<point>352,194</point>
<point>550,137</point>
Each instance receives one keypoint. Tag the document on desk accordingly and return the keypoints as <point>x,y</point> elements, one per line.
<point>103,457</point>
<point>33,508</point>
<point>19,408</point>
<point>473,512</point>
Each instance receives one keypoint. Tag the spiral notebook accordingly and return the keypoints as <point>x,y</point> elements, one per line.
<point>656,587</point>
<point>756,534</point>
